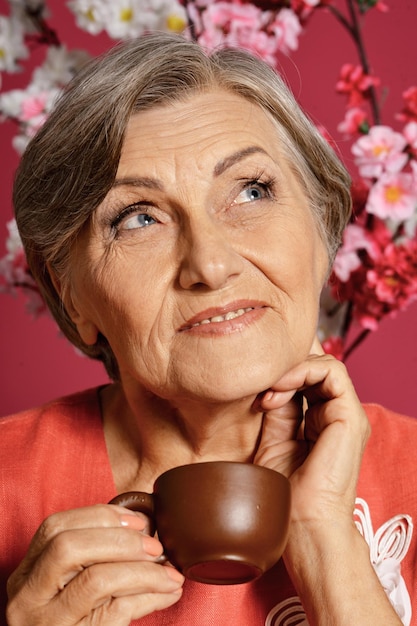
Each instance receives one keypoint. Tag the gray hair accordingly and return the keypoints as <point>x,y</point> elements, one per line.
<point>70,165</point>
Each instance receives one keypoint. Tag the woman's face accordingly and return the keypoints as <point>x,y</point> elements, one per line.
<point>203,265</point>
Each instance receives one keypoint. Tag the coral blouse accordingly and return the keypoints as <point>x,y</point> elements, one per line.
<point>54,458</point>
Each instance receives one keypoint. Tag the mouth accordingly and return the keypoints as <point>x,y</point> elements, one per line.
<point>221,315</point>
<point>231,315</point>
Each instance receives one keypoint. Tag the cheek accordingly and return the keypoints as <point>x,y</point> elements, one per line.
<point>298,261</point>
<point>128,312</point>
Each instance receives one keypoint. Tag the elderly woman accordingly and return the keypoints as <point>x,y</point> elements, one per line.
<point>180,215</point>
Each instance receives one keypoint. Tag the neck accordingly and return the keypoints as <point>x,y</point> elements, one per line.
<point>147,435</point>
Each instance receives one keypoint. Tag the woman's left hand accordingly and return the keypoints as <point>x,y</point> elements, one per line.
<point>318,446</point>
<point>315,431</point>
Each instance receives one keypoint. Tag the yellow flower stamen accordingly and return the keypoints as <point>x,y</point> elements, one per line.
<point>378,150</point>
<point>175,23</point>
<point>391,281</point>
<point>90,15</point>
<point>126,15</point>
<point>393,193</point>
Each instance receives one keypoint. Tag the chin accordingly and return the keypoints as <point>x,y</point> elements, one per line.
<point>229,388</point>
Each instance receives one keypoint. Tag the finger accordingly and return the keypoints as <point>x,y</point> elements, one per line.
<point>284,414</point>
<point>72,551</point>
<point>331,400</point>
<point>282,400</point>
<point>97,516</point>
<point>270,400</point>
<point>336,424</point>
<point>106,594</point>
<point>324,375</point>
<point>120,591</point>
<point>125,609</point>
<point>330,396</point>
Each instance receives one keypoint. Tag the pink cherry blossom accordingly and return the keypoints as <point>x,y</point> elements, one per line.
<point>355,239</point>
<point>228,23</point>
<point>304,8</point>
<point>286,28</point>
<point>383,287</point>
<point>33,105</point>
<point>381,236</point>
<point>355,83</point>
<point>246,25</point>
<point>381,150</point>
<point>384,281</point>
<point>333,345</point>
<point>261,44</point>
<point>354,119</point>
<point>393,196</point>
<point>381,6</point>
<point>409,112</point>
<point>233,15</point>
<point>210,37</point>
<point>394,277</point>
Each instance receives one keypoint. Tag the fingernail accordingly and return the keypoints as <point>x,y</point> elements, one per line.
<point>268,395</point>
<point>133,521</point>
<point>174,574</point>
<point>151,546</point>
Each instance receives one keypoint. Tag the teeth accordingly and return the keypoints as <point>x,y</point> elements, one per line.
<point>231,315</point>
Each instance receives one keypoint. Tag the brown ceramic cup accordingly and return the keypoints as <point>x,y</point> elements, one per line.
<point>219,522</point>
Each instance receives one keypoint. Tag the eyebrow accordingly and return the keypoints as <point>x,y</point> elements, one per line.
<point>237,156</point>
<point>219,168</point>
<point>138,181</point>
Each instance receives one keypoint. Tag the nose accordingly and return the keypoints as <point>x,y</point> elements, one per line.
<point>209,259</point>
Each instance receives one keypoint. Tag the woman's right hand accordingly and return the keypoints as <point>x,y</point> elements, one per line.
<point>93,565</point>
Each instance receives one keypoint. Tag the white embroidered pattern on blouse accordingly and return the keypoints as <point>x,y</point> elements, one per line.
<point>387,546</point>
<point>290,612</point>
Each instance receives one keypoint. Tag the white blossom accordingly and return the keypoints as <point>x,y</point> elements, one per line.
<point>11,102</point>
<point>59,67</point>
<point>13,241</point>
<point>124,19</point>
<point>90,14</point>
<point>30,107</point>
<point>12,46</point>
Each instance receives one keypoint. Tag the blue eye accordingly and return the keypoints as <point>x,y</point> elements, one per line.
<point>132,218</point>
<point>140,220</point>
<point>252,192</point>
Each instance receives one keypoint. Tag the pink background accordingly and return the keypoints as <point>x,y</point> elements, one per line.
<point>37,364</point>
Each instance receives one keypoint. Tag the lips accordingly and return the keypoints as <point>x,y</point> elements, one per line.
<point>222,314</point>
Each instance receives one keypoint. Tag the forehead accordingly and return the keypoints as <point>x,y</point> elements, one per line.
<point>213,121</point>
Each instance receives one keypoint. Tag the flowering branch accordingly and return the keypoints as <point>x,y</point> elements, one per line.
<point>357,36</point>
<point>374,272</point>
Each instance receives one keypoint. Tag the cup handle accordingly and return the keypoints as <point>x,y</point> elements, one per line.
<point>138,501</point>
